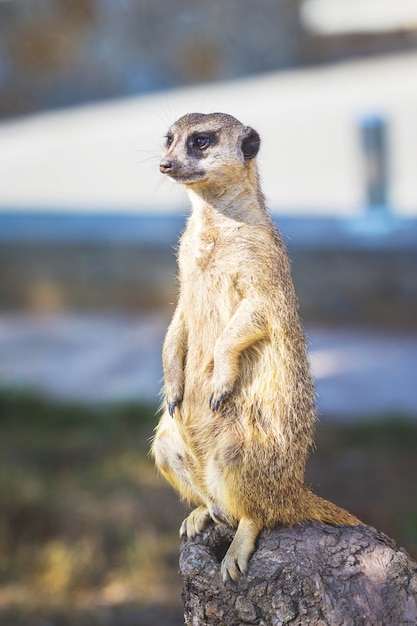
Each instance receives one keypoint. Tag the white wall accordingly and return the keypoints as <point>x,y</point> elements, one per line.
<point>105,157</point>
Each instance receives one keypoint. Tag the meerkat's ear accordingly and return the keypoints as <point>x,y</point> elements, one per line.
<point>250,143</point>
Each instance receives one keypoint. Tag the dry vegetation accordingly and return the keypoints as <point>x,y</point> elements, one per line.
<point>88,532</point>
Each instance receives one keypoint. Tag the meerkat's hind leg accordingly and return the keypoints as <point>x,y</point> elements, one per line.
<point>237,557</point>
<point>195,522</point>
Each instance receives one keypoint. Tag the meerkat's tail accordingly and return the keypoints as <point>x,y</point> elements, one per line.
<point>324,511</point>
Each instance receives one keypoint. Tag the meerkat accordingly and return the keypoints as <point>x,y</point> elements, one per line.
<point>239,405</point>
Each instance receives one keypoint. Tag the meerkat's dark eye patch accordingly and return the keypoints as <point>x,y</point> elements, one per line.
<point>199,142</point>
<point>168,140</point>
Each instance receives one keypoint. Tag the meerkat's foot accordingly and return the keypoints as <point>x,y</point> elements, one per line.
<point>237,557</point>
<point>195,522</point>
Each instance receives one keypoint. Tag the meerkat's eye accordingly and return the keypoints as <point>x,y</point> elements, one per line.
<point>201,142</point>
<point>168,140</point>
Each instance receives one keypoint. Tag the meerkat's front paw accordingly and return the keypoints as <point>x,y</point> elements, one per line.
<point>219,395</point>
<point>173,392</point>
<point>224,379</point>
<point>216,400</point>
<point>173,404</point>
<point>195,522</point>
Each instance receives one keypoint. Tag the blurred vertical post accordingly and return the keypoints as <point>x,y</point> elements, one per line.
<point>373,129</point>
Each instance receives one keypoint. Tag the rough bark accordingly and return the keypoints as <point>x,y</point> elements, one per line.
<point>314,574</point>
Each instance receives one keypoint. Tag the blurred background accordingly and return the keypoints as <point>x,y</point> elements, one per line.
<point>88,88</point>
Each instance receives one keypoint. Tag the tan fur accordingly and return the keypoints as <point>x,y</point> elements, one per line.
<point>237,380</point>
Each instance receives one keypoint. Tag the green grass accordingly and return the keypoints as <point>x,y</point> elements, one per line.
<point>89,533</point>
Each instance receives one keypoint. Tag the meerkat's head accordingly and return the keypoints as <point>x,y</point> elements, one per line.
<point>202,149</point>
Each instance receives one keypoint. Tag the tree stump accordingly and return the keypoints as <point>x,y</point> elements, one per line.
<point>314,574</point>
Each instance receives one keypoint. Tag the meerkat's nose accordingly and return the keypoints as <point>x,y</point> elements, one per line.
<point>166,166</point>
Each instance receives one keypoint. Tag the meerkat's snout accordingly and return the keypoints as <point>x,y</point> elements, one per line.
<point>166,166</point>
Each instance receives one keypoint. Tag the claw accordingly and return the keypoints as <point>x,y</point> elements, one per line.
<point>215,403</point>
<point>183,529</point>
<point>172,406</point>
<point>195,523</point>
<point>232,570</point>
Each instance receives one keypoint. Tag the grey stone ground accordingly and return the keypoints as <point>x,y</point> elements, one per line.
<point>102,358</point>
